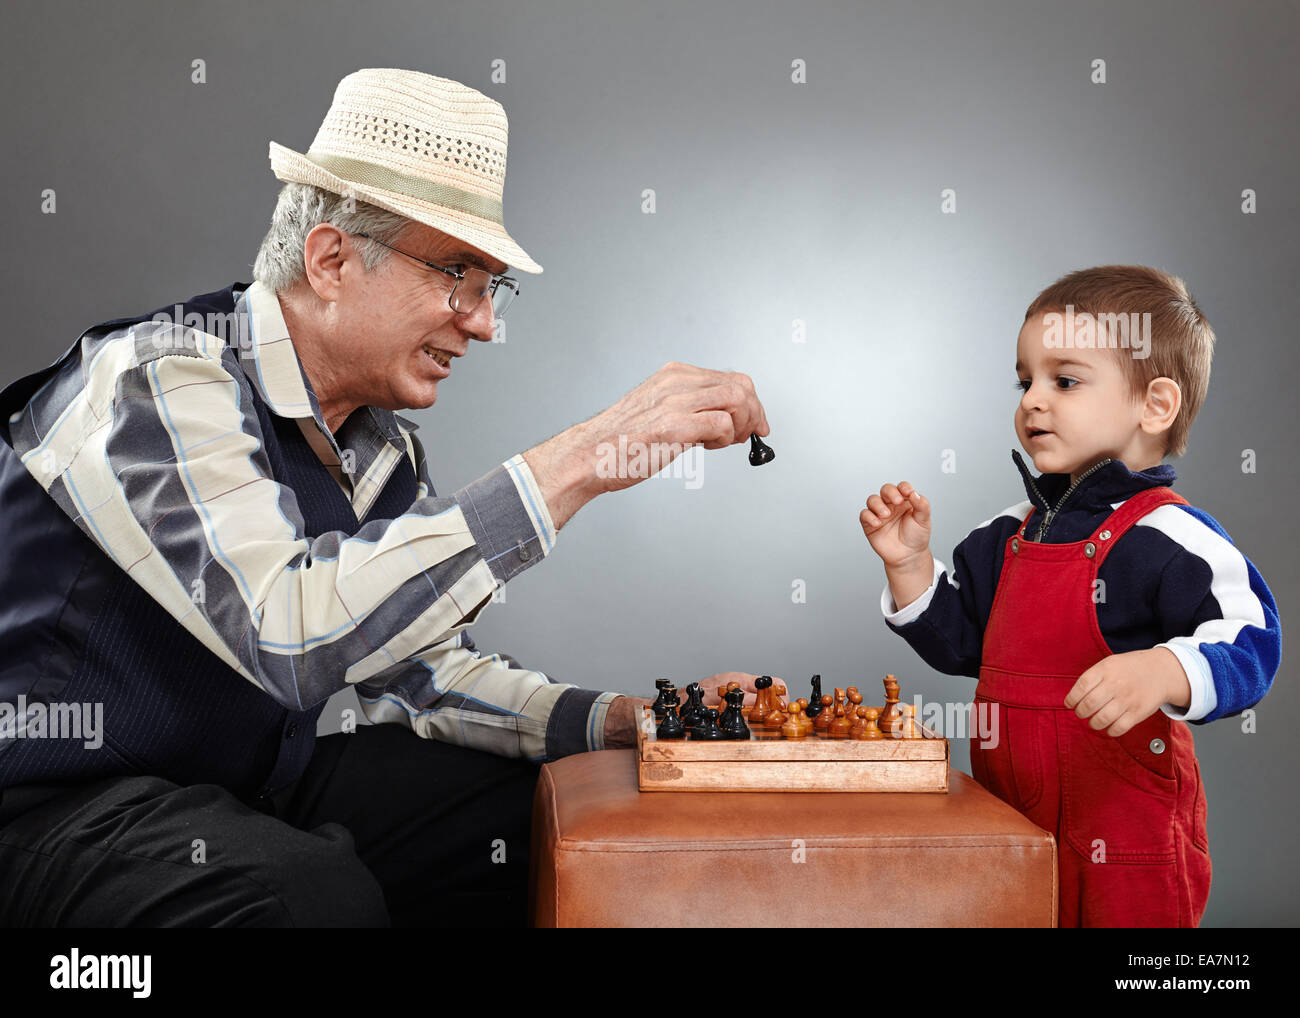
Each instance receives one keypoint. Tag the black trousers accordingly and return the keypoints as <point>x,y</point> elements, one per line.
<point>383,828</point>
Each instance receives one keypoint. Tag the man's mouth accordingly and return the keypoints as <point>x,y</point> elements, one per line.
<point>441,357</point>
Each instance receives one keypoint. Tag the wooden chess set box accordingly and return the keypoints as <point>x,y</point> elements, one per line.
<point>822,744</point>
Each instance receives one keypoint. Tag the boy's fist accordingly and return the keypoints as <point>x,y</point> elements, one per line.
<point>897,523</point>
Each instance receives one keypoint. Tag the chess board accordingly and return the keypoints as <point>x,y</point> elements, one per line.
<point>768,762</point>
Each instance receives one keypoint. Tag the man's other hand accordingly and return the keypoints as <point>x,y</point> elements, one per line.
<point>677,407</point>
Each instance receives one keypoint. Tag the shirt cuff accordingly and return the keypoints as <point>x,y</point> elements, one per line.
<point>1199,677</point>
<point>902,616</point>
<point>508,518</point>
<point>577,722</point>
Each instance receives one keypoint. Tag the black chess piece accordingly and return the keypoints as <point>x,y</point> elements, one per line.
<point>708,729</point>
<point>671,701</point>
<point>693,712</point>
<point>732,721</point>
<point>671,726</point>
<point>660,704</point>
<point>815,701</point>
<point>759,453</point>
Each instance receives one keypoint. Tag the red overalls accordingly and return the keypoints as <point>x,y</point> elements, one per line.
<point>1128,813</point>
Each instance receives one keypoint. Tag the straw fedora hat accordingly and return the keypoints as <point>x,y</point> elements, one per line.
<point>427,148</point>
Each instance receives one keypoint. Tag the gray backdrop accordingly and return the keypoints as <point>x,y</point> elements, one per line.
<point>775,201</point>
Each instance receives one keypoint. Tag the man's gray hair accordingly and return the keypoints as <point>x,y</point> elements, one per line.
<point>299,209</point>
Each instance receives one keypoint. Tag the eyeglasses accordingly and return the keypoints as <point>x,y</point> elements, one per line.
<point>471,286</point>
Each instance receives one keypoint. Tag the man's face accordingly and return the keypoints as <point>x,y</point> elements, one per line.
<point>398,320</point>
<point>1076,408</point>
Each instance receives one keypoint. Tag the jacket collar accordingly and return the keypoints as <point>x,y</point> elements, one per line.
<point>1102,488</point>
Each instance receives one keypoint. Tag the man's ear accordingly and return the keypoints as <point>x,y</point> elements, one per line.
<point>323,256</point>
<point>1163,400</point>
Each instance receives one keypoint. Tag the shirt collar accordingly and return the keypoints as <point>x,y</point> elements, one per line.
<point>1104,486</point>
<point>273,367</point>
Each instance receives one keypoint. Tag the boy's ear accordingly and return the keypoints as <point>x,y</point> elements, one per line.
<point>1164,399</point>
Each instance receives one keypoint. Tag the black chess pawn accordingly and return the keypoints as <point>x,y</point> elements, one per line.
<point>815,701</point>
<point>732,721</point>
<point>660,704</point>
<point>693,712</point>
<point>708,729</point>
<point>759,453</point>
<point>671,726</point>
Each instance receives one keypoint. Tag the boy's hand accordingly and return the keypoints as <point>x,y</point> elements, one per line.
<point>897,523</point>
<point>1123,690</point>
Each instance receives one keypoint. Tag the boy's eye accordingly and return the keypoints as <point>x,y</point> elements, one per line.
<point>1062,381</point>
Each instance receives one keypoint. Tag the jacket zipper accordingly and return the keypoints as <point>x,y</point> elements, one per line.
<point>1051,513</point>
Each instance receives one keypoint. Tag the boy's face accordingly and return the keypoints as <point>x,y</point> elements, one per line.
<point>1076,407</point>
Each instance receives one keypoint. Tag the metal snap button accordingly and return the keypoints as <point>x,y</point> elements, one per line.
<point>1104,535</point>
<point>1015,544</point>
<point>1090,549</point>
<point>1157,746</point>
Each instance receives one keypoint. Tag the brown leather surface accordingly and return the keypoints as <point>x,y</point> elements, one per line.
<point>605,854</point>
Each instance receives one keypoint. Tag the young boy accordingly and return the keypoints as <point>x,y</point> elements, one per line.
<point>1102,614</point>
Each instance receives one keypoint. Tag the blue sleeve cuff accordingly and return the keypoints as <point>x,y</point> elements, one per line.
<point>508,518</point>
<point>577,722</point>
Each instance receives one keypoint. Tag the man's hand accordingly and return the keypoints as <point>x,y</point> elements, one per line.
<point>621,719</point>
<point>625,714</point>
<point>675,408</point>
<point>711,684</point>
<point>1123,690</point>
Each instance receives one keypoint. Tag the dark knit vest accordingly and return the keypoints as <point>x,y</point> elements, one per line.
<point>74,628</point>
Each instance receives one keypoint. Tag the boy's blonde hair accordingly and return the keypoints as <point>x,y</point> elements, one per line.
<point>1182,342</point>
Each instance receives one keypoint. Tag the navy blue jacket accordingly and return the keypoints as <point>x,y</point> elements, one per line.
<point>1175,579</point>
<point>76,629</point>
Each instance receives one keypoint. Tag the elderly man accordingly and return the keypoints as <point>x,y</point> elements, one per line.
<point>214,520</point>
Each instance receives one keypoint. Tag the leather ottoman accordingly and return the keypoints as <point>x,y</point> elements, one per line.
<point>605,854</point>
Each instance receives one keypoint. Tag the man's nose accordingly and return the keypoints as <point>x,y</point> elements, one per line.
<point>480,323</point>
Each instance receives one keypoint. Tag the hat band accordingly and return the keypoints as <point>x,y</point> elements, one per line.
<point>373,175</point>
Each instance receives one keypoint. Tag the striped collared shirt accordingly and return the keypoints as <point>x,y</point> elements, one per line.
<point>150,442</point>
